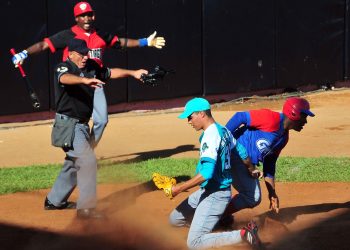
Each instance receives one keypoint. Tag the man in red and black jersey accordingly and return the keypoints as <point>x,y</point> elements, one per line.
<point>97,41</point>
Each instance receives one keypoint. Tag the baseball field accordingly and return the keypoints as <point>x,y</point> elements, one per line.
<point>313,215</point>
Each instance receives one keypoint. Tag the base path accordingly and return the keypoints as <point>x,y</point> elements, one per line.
<point>144,135</point>
<point>312,216</point>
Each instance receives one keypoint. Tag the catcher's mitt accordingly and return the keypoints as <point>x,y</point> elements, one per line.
<point>155,76</point>
<point>165,183</point>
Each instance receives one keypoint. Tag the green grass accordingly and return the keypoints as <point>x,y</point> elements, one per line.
<point>27,178</point>
<point>142,171</point>
<point>321,169</point>
<point>290,169</point>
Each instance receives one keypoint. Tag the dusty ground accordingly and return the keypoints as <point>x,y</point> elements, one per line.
<point>313,215</point>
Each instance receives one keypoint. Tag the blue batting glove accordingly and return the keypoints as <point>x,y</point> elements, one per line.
<point>19,57</point>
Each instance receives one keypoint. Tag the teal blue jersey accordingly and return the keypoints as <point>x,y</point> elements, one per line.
<point>214,164</point>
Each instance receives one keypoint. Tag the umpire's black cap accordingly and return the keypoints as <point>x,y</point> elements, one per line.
<point>78,45</point>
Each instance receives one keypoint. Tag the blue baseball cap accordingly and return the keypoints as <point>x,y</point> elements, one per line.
<point>194,105</point>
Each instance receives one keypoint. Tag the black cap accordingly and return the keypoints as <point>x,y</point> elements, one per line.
<point>78,45</point>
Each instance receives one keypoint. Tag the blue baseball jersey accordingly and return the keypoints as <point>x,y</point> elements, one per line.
<point>262,134</point>
<point>214,164</point>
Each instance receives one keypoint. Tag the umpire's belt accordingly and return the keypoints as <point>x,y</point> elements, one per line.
<point>65,117</point>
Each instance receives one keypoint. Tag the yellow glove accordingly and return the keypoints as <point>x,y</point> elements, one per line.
<point>168,191</point>
<point>164,182</point>
<point>157,42</point>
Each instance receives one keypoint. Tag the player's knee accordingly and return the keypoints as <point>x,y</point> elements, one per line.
<point>257,199</point>
<point>254,201</point>
<point>104,120</point>
<point>192,243</point>
<point>101,122</point>
<point>175,221</point>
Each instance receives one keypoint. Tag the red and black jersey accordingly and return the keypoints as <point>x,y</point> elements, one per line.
<point>97,41</point>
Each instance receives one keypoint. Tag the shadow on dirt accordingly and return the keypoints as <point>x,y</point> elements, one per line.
<point>274,226</point>
<point>94,237</point>
<point>126,197</point>
<point>289,214</point>
<point>328,234</point>
<point>19,238</point>
<point>275,234</point>
<point>143,156</point>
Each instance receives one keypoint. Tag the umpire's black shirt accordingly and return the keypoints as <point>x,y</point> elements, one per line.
<point>77,100</point>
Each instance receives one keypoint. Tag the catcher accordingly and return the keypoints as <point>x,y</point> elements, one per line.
<point>264,133</point>
<point>213,174</point>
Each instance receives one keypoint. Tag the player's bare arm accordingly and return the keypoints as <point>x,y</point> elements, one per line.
<point>34,49</point>
<point>71,79</point>
<point>253,170</point>
<point>37,47</point>
<point>195,181</point>
<point>119,73</point>
<point>151,41</point>
<point>274,200</point>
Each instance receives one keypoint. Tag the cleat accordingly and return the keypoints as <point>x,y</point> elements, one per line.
<point>249,234</point>
<point>67,205</point>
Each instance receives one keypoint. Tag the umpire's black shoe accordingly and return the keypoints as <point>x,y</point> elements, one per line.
<point>89,213</point>
<point>67,205</point>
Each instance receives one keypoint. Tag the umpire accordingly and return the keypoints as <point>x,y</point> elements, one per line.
<point>75,81</point>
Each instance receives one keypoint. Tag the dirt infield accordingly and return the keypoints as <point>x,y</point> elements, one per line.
<point>312,216</point>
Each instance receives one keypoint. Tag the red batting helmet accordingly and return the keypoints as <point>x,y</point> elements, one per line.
<point>81,8</point>
<point>294,106</point>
